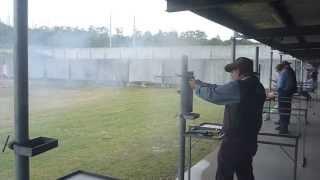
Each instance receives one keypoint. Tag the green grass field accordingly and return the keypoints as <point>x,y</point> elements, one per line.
<point>130,133</point>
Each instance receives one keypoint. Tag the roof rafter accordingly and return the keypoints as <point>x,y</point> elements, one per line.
<point>286,17</point>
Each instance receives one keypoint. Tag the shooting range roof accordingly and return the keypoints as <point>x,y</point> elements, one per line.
<point>290,26</point>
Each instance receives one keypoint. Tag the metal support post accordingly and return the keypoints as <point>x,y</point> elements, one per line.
<point>182,128</point>
<point>295,159</point>
<point>257,59</point>
<point>69,70</point>
<point>304,133</point>
<point>185,88</point>
<point>21,104</point>
<point>301,71</point>
<point>270,84</point>
<point>257,62</point>
<point>271,68</point>
<point>234,44</point>
<point>190,158</point>
<point>162,74</point>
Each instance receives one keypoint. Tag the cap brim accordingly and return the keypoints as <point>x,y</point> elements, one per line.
<point>230,67</point>
<point>286,62</point>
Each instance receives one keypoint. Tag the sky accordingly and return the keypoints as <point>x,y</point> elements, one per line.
<point>149,15</point>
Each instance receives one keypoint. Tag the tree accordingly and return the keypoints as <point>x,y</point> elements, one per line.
<point>147,38</point>
<point>74,37</point>
<point>194,37</point>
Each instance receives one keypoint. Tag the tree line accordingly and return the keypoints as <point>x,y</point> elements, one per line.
<point>75,37</point>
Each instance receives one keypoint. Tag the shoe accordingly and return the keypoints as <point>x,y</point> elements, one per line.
<point>277,123</point>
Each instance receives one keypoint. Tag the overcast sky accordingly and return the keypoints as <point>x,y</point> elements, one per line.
<point>149,14</point>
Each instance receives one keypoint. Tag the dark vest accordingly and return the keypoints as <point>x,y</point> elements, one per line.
<point>242,121</point>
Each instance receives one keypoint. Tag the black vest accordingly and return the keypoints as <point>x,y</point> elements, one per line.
<point>242,121</point>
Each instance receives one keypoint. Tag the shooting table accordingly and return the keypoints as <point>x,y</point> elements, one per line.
<point>213,131</point>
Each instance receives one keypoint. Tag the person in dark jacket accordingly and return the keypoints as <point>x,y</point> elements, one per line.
<point>243,98</point>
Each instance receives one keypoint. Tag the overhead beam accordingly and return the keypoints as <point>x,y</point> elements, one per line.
<point>183,5</point>
<point>286,17</point>
<point>294,46</point>
<point>306,54</point>
<point>314,62</point>
<point>285,32</point>
<point>305,51</point>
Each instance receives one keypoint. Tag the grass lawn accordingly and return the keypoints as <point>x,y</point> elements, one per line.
<point>130,133</point>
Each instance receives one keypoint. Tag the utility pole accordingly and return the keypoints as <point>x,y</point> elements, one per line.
<point>9,17</point>
<point>134,32</point>
<point>110,31</point>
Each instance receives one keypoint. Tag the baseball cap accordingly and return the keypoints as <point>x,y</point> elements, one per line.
<point>245,65</point>
<point>285,63</point>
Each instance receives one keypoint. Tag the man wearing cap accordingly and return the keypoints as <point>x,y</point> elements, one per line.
<point>243,98</point>
<point>286,87</point>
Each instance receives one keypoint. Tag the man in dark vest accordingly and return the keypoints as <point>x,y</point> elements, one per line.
<point>286,87</point>
<point>243,98</point>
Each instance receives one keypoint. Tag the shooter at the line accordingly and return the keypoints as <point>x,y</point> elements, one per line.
<point>243,98</point>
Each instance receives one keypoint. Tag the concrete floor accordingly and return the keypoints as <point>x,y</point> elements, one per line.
<point>270,162</point>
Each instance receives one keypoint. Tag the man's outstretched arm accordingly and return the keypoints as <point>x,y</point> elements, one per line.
<point>218,94</point>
